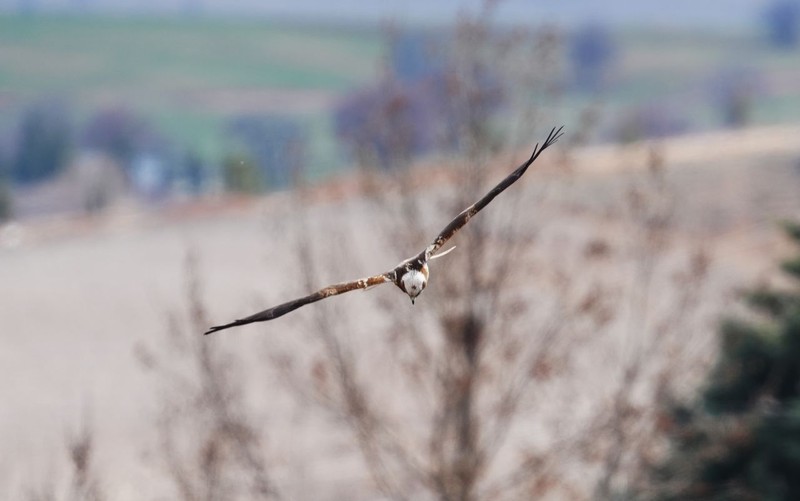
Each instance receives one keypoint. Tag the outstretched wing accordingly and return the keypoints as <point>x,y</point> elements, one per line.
<point>332,290</point>
<point>460,220</point>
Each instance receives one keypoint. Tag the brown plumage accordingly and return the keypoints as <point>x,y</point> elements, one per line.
<point>289,306</point>
<point>411,276</point>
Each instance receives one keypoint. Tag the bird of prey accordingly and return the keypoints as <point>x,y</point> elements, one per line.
<point>411,276</point>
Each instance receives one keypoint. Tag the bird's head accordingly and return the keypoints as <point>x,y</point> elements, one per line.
<point>414,283</point>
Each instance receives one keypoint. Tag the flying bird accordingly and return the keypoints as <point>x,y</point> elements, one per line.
<point>411,276</point>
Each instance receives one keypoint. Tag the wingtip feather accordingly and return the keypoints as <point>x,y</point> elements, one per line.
<point>218,328</point>
<point>552,137</point>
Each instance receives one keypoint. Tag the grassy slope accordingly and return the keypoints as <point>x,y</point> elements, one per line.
<point>183,72</point>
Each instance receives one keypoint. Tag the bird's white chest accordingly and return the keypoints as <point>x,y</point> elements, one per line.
<point>414,282</point>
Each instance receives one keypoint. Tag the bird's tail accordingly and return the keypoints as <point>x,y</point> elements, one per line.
<point>448,251</point>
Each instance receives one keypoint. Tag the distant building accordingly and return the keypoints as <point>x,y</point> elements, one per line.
<point>149,177</point>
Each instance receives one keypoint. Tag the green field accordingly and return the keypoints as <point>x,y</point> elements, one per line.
<point>189,76</point>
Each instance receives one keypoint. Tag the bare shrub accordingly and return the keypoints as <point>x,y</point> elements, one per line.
<point>208,443</point>
<point>82,482</point>
<point>461,401</point>
<point>537,370</point>
<point>665,307</point>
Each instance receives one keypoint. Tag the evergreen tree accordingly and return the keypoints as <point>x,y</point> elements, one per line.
<point>741,439</point>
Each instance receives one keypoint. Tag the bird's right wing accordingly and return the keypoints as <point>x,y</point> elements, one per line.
<point>462,218</point>
<point>289,306</point>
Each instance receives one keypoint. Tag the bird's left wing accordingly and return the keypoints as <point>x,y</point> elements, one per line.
<point>289,306</point>
<point>460,220</point>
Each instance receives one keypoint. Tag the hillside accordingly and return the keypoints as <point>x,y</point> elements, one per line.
<point>190,77</point>
<point>78,302</point>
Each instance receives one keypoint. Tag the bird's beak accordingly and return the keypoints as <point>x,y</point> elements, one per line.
<point>412,300</point>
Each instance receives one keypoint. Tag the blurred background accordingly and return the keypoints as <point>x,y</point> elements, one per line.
<point>170,165</point>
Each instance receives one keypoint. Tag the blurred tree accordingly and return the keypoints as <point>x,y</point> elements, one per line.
<point>592,52</point>
<point>386,125</point>
<point>439,94</point>
<point>96,199</point>
<point>413,55</point>
<point>120,133</point>
<point>741,440</point>
<point>467,98</point>
<point>736,90</point>
<point>43,143</point>
<point>391,123</point>
<point>276,144</point>
<point>782,18</point>
<point>195,173</point>
<point>241,174</point>
<point>6,205</point>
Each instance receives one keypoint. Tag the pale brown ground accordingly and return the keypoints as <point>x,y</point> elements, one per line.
<point>77,296</point>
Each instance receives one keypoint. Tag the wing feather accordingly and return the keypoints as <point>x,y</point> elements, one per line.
<point>460,220</point>
<point>289,306</point>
